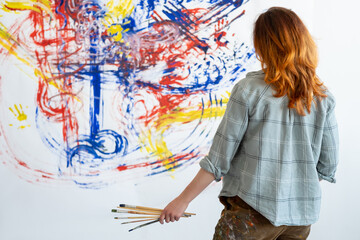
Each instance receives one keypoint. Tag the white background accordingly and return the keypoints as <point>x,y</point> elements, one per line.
<point>30,211</point>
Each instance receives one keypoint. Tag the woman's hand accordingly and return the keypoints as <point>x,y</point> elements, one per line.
<point>174,210</point>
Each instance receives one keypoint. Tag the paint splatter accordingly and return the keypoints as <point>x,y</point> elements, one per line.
<point>20,115</point>
<point>124,88</point>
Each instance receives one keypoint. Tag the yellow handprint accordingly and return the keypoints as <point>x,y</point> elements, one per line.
<point>20,115</point>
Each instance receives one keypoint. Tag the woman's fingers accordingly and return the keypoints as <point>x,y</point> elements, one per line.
<point>162,217</point>
<point>173,211</point>
<point>168,217</point>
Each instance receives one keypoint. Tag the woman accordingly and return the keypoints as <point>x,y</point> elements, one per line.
<point>277,139</point>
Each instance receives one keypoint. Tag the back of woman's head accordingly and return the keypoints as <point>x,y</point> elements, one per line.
<point>288,56</point>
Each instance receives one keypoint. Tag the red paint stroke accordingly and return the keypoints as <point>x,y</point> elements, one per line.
<point>173,161</point>
<point>44,176</point>
<point>53,48</point>
<point>21,163</point>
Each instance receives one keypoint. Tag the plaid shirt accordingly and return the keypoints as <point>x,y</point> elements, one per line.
<point>272,157</point>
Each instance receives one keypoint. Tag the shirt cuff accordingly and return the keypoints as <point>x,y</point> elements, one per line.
<point>208,166</point>
<point>327,178</point>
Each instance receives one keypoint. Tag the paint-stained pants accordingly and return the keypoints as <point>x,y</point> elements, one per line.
<point>239,221</point>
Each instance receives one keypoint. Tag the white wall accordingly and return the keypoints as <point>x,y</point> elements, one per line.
<point>30,211</point>
<point>338,38</point>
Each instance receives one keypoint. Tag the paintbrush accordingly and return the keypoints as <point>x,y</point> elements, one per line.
<point>143,220</point>
<point>153,211</point>
<point>145,224</point>
<point>134,212</point>
<point>126,206</point>
<point>142,217</point>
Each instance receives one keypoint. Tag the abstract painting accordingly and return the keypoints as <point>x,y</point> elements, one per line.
<point>101,91</point>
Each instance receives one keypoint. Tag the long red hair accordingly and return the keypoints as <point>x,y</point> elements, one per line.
<point>289,57</point>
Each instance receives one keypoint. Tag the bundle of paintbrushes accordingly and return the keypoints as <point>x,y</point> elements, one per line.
<point>141,214</point>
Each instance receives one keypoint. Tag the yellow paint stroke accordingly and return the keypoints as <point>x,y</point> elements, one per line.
<point>19,115</point>
<point>13,46</point>
<point>180,117</point>
<point>33,5</point>
<point>185,117</point>
<point>117,10</point>
<point>155,144</point>
<point>153,141</point>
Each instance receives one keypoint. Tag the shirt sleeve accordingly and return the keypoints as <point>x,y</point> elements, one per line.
<point>329,155</point>
<point>228,135</point>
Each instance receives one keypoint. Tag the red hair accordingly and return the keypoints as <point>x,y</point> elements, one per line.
<point>288,57</point>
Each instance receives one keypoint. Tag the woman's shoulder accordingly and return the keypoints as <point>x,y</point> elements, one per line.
<point>256,74</point>
<point>330,97</point>
<point>253,83</point>
<point>327,103</point>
